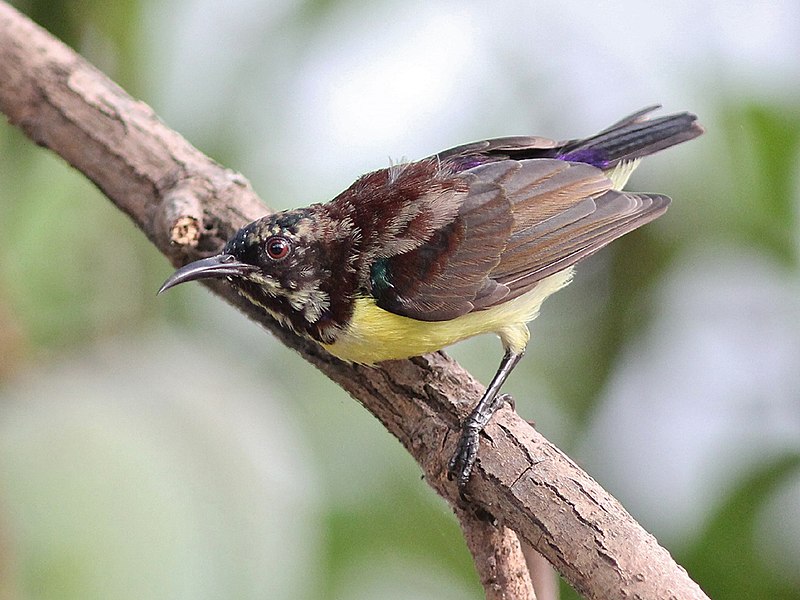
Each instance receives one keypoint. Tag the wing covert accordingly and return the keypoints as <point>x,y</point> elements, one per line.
<point>518,221</point>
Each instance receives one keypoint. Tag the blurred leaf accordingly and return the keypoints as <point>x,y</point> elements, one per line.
<point>420,530</point>
<point>53,15</point>
<point>71,265</point>
<point>764,143</point>
<point>725,559</point>
<point>106,33</point>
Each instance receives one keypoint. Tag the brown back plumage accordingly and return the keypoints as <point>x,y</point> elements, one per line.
<point>508,213</point>
<point>518,222</point>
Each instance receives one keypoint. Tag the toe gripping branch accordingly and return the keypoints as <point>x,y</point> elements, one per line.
<point>460,465</point>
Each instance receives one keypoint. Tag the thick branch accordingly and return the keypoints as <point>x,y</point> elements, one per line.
<point>188,205</point>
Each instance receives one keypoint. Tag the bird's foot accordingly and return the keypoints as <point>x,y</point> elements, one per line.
<point>459,468</point>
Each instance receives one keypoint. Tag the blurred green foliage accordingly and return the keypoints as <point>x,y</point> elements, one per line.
<point>105,33</point>
<point>726,558</point>
<point>764,144</point>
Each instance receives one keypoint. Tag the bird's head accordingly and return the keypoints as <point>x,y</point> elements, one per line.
<point>279,263</point>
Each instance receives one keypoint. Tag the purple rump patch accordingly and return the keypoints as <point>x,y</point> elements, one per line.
<point>465,163</point>
<point>586,155</point>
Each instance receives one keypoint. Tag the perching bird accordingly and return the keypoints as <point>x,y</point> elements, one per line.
<point>415,257</point>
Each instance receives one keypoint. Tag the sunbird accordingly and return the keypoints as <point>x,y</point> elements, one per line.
<point>417,256</point>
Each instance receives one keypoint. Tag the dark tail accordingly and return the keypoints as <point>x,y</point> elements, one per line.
<point>632,137</point>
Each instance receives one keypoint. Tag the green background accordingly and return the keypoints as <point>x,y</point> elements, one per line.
<point>164,447</point>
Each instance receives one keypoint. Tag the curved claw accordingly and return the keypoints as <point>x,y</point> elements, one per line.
<point>460,465</point>
<point>459,468</point>
<point>506,399</point>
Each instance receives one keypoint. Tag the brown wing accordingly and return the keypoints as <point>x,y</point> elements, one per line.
<point>440,279</point>
<point>518,222</point>
<point>563,212</point>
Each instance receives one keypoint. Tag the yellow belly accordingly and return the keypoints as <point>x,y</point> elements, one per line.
<point>374,335</point>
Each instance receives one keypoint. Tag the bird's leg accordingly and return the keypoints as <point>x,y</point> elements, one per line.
<point>460,466</point>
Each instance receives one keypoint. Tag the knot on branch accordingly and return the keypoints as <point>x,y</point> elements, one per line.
<point>185,231</point>
<point>180,219</point>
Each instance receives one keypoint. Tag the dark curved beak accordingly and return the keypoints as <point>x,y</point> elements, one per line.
<point>221,265</point>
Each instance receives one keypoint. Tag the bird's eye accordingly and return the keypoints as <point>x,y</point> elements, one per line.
<point>277,247</point>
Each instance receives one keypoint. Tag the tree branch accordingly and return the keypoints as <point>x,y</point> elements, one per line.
<point>188,205</point>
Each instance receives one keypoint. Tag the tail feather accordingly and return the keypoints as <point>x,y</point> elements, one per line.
<point>631,138</point>
<point>625,141</point>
